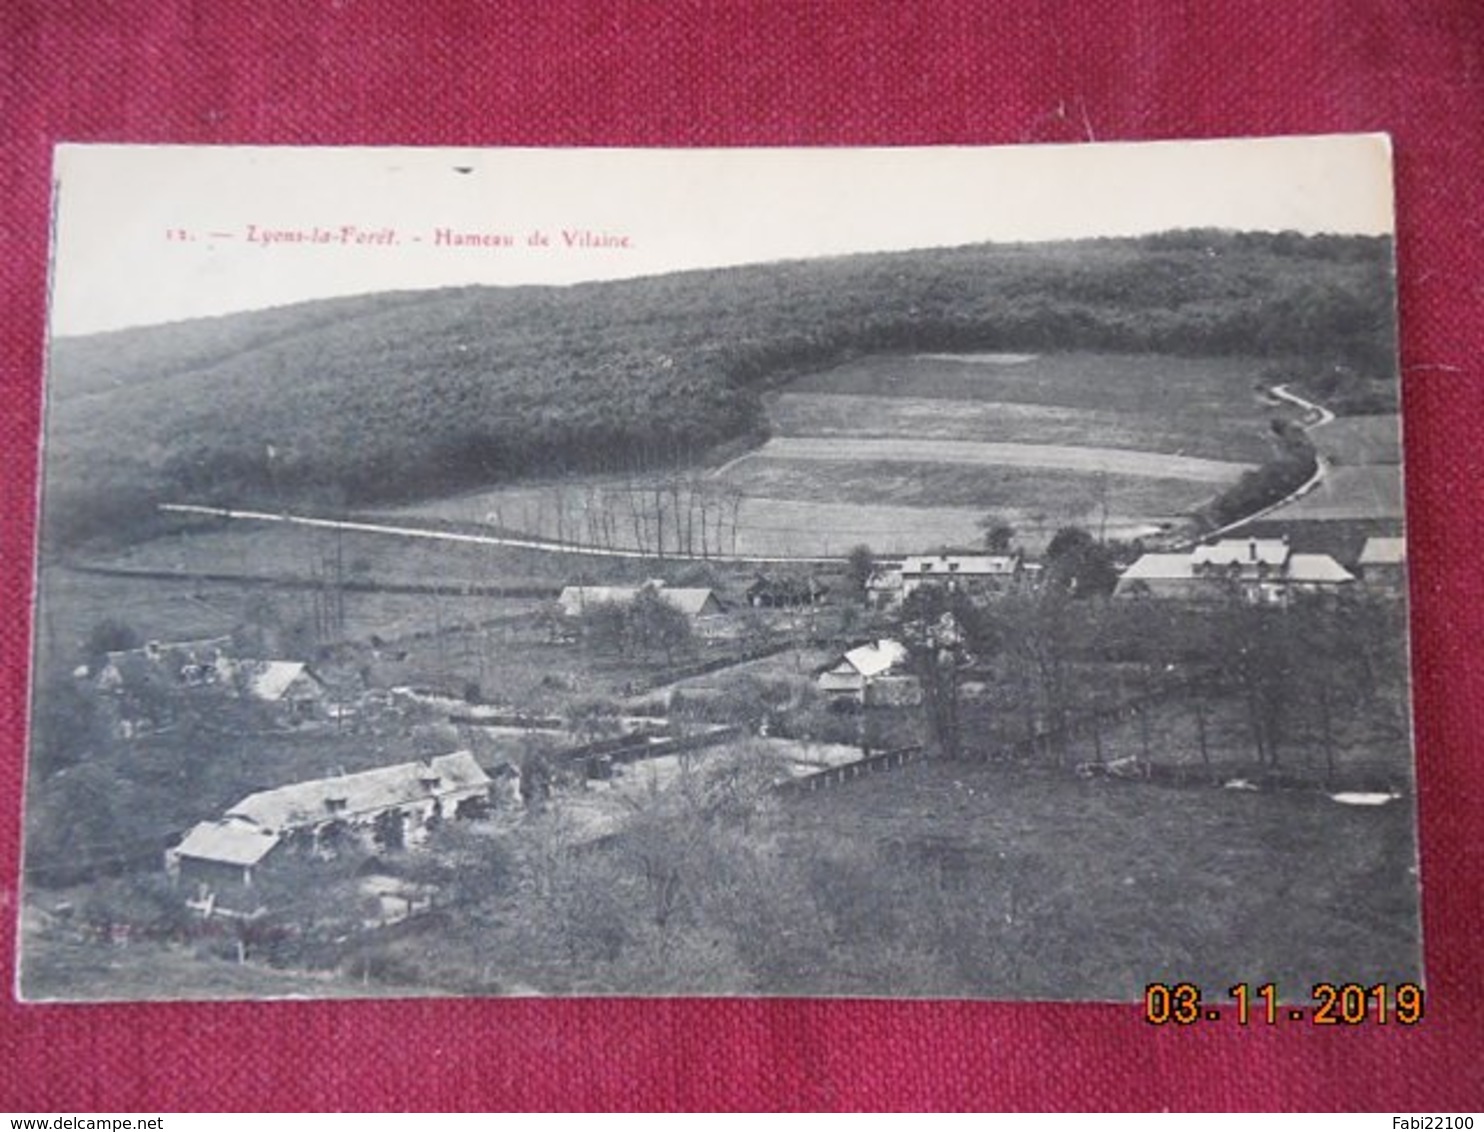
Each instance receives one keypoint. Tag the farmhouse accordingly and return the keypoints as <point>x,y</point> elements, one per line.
<point>1262,571</point>
<point>290,686</point>
<point>1383,564</point>
<point>971,573</point>
<point>872,675</point>
<point>576,600</point>
<point>387,807</point>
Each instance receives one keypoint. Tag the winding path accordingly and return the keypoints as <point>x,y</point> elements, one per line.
<point>1319,417</point>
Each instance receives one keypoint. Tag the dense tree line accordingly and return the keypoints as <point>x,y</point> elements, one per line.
<point>396,397</point>
<point>1317,684</point>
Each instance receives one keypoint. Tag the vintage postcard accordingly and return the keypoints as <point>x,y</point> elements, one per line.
<point>969,573</point>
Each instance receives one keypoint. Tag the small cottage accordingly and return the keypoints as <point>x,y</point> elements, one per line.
<point>872,675</point>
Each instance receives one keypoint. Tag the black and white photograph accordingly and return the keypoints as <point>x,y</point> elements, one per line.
<point>951,573</point>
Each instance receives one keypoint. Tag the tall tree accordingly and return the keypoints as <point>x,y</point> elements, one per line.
<point>1079,564</point>
<point>999,536</point>
<point>943,633</point>
<point>860,564</point>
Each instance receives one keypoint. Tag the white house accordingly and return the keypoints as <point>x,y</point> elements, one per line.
<point>1262,571</point>
<point>974,573</point>
<point>392,804</point>
<point>1383,564</point>
<point>873,675</point>
<point>288,685</point>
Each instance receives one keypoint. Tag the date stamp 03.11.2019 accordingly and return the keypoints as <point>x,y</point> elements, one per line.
<point>1328,1004</point>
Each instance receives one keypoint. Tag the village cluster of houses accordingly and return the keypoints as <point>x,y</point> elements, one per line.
<point>1264,571</point>
<point>392,807</point>
<point>1260,571</point>
<point>289,690</point>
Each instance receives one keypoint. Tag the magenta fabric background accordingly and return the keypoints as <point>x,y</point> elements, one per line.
<point>724,74</point>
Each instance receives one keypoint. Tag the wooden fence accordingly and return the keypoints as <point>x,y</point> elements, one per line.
<point>830,777</point>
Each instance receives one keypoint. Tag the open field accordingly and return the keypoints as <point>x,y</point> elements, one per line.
<point>1082,460</point>
<point>275,550</point>
<point>1046,886</point>
<point>1193,391</point>
<point>1000,487</point>
<point>1361,440</point>
<point>74,603</point>
<point>1360,493</point>
<point>937,418</point>
<point>905,453</point>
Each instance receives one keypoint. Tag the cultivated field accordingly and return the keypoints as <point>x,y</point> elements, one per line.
<point>1083,460</point>
<point>1009,487</point>
<point>938,418</point>
<point>1196,391</point>
<point>908,452</point>
<point>1361,440</point>
<point>1366,492</point>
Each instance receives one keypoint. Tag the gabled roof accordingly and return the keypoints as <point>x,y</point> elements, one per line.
<point>692,602</point>
<point>1161,567</point>
<point>1384,551</point>
<point>874,659</point>
<point>1300,568</point>
<point>309,803</point>
<point>267,680</point>
<point>960,565</point>
<point>1316,568</point>
<point>230,841</point>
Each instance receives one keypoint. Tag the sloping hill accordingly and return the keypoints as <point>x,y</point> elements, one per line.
<point>394,397</point>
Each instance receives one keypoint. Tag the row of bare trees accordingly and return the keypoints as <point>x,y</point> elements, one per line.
<point>684,514</point>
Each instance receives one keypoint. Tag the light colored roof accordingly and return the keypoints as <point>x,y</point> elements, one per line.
<point>1383,551</point>
<point>1272,551</point>
<point>961,565</point>
<point>232,842</point>
<point>268,680</point>
<point>306,803</point>
<point>1316,568</point>
<point>1312,568</point>
<point>1163,567</point>
<point>884,580</point>
<point>876,658</point>
<point>692,602</point>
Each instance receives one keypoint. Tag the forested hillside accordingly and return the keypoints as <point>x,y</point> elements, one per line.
<point>392,397</point>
